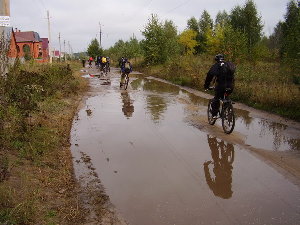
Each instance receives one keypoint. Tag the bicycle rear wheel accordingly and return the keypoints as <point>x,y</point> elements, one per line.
<point>126,81</point>
<point>210,118</point>
<point>228,119</point>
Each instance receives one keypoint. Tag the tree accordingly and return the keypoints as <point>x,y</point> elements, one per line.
<point>205,24</point>
<point>94,49</point>
<point>160,40</point>
<point>188,41</point>
<point>154,38</point>
<point>171,47</point>
<point>234,44</point>
<point>192,24</point>
<point>215,40</point>
<point>245,19</point>
<point>222,19</point>
<point>290,47</point>
<point>275,40</point>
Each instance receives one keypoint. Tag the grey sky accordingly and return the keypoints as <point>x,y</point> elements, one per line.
<point>78,21</point>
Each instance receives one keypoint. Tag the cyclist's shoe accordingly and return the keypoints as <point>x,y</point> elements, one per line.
<point>121,84</point>
<point>215,117</point>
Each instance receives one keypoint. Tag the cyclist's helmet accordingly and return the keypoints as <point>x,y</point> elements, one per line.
<point>219,58</point>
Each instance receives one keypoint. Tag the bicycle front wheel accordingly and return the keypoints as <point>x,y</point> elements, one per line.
<point>210,118</point>
<point>228,119</point>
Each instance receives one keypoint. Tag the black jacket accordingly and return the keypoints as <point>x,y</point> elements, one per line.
<point>223,76</point>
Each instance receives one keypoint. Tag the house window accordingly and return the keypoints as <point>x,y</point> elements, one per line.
<point>27,52</point>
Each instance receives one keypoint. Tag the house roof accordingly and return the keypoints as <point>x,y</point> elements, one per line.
<point>45,43</point>
<point>28,36</point>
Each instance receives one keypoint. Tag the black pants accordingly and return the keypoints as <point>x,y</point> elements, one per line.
<point>219,93</point>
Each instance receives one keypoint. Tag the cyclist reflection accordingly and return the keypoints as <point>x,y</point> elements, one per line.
<point>127,107</point>
<point>223,156</point>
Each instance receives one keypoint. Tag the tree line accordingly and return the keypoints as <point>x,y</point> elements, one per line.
<point>238,34</point>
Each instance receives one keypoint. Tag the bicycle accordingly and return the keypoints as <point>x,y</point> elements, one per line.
<point>225,112</point>
<point>103,69</point>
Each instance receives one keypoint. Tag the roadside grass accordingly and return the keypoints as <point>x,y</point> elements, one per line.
<point>269,86</point>
<point>37,184</point>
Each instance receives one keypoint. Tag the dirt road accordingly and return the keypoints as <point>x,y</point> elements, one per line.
<point>152,151</point>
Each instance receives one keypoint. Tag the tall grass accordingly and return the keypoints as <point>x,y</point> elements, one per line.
<point>265,85</point>
<point>36,111</point>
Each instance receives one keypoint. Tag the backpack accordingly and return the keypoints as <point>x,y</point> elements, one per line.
<point>103,60</point>
<point>231,67</point>
<point>228,70</point>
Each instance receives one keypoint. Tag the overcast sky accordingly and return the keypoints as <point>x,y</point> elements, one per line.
<point>78,21</point>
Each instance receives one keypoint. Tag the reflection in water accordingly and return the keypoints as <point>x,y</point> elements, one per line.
<point>273,135</point>
<point>157,106</point>
<point>127,107</point>
<point>159,87</point>
<point>223,156</point>
<point>244,117</point>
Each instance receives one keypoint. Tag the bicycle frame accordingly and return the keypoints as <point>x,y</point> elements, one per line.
<point>225,112</point>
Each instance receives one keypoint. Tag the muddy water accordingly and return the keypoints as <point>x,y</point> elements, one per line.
<point>159,166</point>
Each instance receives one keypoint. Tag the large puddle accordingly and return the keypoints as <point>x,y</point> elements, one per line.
<point>158,168</point>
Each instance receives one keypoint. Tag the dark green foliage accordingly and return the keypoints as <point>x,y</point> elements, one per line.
<point>205,24</point>
<point>27,53</point>
<point>246,20</point>
<point>160,41</point>
<point>222,18</point>
<point>94,49</point>
<point>154,38</point>
<point>129,49</point>
<point>192,24</point>
<point>290,46</point>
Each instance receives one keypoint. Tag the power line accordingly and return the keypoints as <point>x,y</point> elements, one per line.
<point>178,6</point>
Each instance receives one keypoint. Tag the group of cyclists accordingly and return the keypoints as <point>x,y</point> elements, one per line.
<point>221,73</point>
<point>103,64</point>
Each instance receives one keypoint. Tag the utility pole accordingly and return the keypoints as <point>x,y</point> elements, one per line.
<point>65,50</point>
<point>4,13</point>
<point>69,49</point>
<point>100,35</point>
<point>4,8</point>
<point>59,47</point>
<point>49,33</point>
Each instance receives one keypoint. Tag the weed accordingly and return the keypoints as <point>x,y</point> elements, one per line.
<point>266,85</point>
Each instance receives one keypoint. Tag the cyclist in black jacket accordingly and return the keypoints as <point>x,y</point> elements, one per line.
<point>223,74</point>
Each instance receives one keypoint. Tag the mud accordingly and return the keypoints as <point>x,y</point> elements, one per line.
<point>161,163</point>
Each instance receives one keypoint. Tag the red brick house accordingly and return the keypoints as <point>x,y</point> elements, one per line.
<point>29,42</point>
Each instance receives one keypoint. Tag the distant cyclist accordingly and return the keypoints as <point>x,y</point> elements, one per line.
<point>90,62</point>
<point>126,68</point>
<point>103,63</point>
<point>223,74</point>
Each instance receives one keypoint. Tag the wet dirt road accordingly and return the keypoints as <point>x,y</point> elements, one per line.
<point>161,163</point>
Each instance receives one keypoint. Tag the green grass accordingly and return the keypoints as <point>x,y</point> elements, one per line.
<point>268,86</point>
